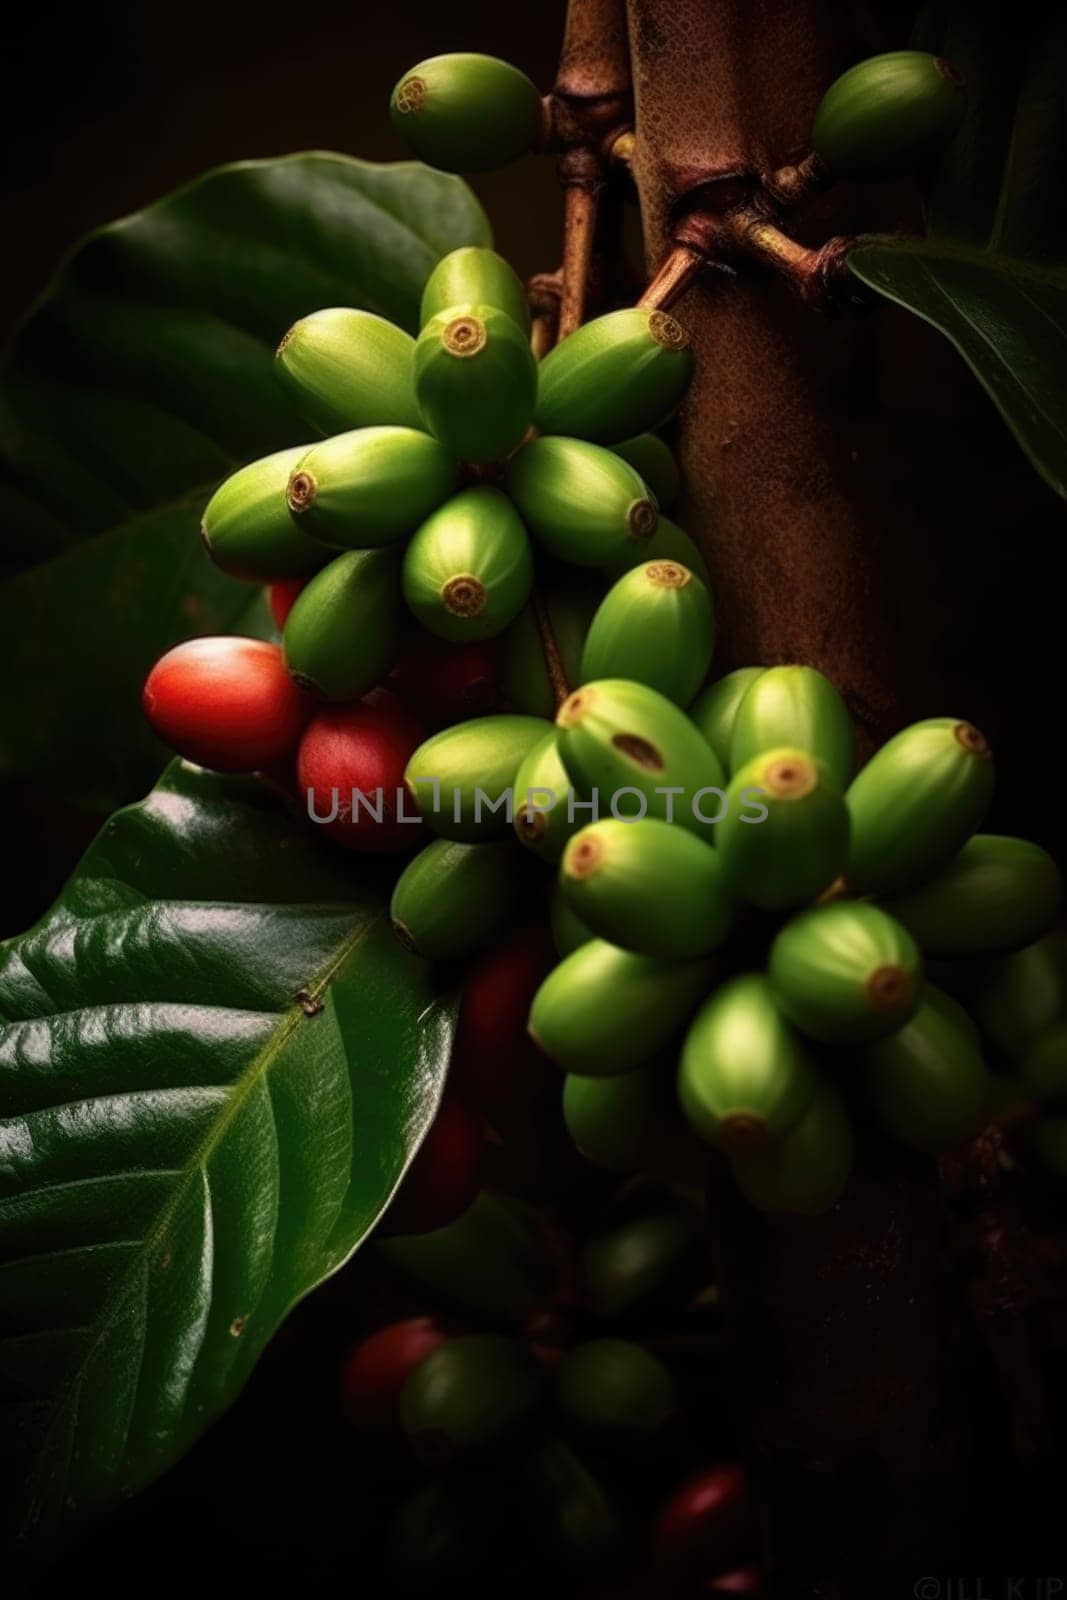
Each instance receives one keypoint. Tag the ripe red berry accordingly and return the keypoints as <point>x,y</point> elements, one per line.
<point>226,703</point>
<point>444,1177</point>
<point>707,1522</point>
<point>360,749</point>
<point>494,1064</point>
<point>745,1580</point>
<point>376,1370</point>
<point>281,597</point>
<point>448,683</point>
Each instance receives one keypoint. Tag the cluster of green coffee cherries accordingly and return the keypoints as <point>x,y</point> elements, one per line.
<point>888,115</point>
<point>779,969</point>
<point>551,1427</point>
<point>450,459</point>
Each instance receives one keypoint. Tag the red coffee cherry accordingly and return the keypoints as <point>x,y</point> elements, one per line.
<point>376,1370</point>
<point>707,1522</point>
<point>281,597</point>
<point>447,683</point>
<point>444,1177</point>
<point>494,1063</point>
<point>745,1580</point>
<point>361,748</point>
<point>226,703</point>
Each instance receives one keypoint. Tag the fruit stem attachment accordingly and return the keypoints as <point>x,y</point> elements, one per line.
<point>544,292</point>
<point>789,185</point>
<point>747,232</point>
<point>676,276</point>
<point>557,674</point>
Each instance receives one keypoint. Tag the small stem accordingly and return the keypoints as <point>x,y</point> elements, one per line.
<point>557,673</point>
<point>542,335</point>
<point>677,274</point>
<point>790,185</point>
<point>544,291</point>
<point>580,200</point>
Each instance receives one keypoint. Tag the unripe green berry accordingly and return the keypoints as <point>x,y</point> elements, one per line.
<point>350,369</point>
<point>846,972</point>
<point>476,381</point>
<point>614,377</point>
<point>467,112</point>
<point>475,276</point>
<point>889,115</point>
<point>369,487</point>
<point>247,530</point>
<point>341,636</point>
<point>655,625</point>
<point>582,503</point>
<point>468,569</point>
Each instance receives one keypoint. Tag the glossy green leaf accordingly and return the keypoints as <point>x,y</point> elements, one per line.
<point>142,377</point>
<point>215,1065</point>
<point>991,273</point>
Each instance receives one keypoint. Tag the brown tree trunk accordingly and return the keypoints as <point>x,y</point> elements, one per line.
<point>849,1339</point>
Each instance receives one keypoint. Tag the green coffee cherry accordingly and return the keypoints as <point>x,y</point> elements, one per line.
<point>798,848</point>
<point>647,886</point>
<point>604,1010</point>
<point>620,1123</point>
<point>582,503</point>
<point>1025,995</point>
<point>995,894</point>
<point>452,900</point>
<point>475,276</point>
<point>247,529</point>
<point>846,972</point>
<point>804,1173</point>
<point>715,711</point>
<point>470,1398</point>
<point>523,675</point>
<point>489,1264</point>
<point>644,1265</point>
<point>668,543</point>
<point>575,1524</point>
<point>439,1535</point>
<point>889,115</point>
<point>1043,1071</point>
<point>569,933</point>
<point>614,377</point>
<point>369,487</point>
<point>461,779</point>
<point>350,369</point>
<point>476,381</point>
<point>542,801</point>
<point>634,750</point>
<point>927,1083</point>
<point>653,461</point>
<point>467,113</point>
<point>794,706</point>
<point>612,1392</point>
<point>744,1078</point>
<point>468,570</point>
<point>915,803</point>
<point>341,636</point>
<point>656,625</point>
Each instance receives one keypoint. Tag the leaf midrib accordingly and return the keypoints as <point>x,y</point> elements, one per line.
<point>196,1162</point>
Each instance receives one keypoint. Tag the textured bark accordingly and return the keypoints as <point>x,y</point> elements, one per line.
<point>849,1340</point>
<point>722,87</point>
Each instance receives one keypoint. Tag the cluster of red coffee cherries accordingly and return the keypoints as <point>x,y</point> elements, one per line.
<point>229,703</point>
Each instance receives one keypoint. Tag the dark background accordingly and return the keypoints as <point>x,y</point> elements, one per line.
<point>107,107</point>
